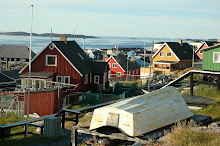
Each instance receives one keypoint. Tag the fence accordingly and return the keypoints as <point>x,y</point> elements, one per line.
<point>120,92</point>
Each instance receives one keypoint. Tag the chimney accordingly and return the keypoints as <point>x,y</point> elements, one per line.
<point>132,57</point>
<point>63,37</point>
<point>181,41</point>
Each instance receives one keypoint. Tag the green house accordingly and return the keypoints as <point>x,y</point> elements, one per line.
<point>211,58</point>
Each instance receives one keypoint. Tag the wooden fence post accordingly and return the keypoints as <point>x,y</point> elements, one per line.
<point>191,83</point>
<point>74,136</point>
<point>63,119</point>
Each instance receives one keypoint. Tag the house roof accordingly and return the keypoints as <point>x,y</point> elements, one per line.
<point>122,60</point>
<point>182,51</point>
<point>13,74</point>
<point>4,78</point>
<point>8,51</point>
<point>37,74</point>
<point>79,60</point>
<point>211,47</point>
<point>208,43</point>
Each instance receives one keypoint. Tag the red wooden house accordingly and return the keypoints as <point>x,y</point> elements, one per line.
<point>64,61</point>
<point>205,45</point>
<point>122,66</point>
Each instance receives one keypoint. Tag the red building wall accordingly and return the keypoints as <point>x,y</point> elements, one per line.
<point>200,55</point>
<point>43,103</point>
<point>119,69</point>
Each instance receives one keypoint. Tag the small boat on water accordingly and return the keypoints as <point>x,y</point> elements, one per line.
<point>142,114</point>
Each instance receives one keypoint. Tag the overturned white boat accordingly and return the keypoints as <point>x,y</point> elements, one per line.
<point>144,113</point>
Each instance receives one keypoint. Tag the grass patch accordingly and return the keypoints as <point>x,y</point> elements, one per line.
<point>212,110</point>
<point>130,83</point>
<point>76,106</point>
<point>182,135</point>
<point>205,91</point>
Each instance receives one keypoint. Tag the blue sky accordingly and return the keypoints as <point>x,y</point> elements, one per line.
<point>159,18</point>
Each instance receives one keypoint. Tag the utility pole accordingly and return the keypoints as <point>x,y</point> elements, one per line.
<point>144,52</point>
<point>117,63</point>
<point>51,35</point>
<point>150,66</point>
<point>29,76</point>
<point>193,58</point>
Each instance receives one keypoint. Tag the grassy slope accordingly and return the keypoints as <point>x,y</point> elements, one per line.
<point>211,92</point>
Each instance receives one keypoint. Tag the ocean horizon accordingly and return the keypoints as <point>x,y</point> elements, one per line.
<point>101,42</point>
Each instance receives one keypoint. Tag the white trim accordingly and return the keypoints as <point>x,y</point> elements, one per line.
<point>214,57</point>
<point>46,63</point>
<point>64,78</point>
<point>162,55</point>
<point>165,63</point>
<point>58,51</point>
<point>116,62</point>
<point>113,65</point>
<point>200,47</point>
<point>162,48</point>
<point>95,79</point>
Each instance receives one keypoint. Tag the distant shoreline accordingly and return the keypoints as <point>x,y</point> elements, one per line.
<point>20,33</point>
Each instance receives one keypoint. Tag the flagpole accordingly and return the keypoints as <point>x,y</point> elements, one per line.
<point>29,77</point>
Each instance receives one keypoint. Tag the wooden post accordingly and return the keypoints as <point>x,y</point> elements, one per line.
<point>41,130</point>
<point>74,136</point>
<point>63,119</point>
<point>77,118</point>
<point>58,97</point>
<point>25,130</point>
<point>1,103</point>
<point>191,83</point>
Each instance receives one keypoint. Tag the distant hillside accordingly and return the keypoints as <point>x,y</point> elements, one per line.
<point>20,33</point>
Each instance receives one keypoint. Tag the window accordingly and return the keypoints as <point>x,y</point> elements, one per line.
<point>187,65</point>
<point>96,79</point>
<point>136,71</point>
<point>133,72</point>
<point>59,79</point>
<point>161,54</point>
<point>86,79</point>
<point>216,57</point>
<point>67,80</point>
<point>51,60</point>
<point>168,54</point>
<point>114,65</point>
<point>63,79</point>
<point>118,74</point>
<point>17,59</point>
<point>181,66</point>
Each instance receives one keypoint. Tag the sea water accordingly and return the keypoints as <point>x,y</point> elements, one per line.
<point>101,42</point>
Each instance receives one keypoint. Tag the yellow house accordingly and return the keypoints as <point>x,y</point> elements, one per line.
<point>173,56</point>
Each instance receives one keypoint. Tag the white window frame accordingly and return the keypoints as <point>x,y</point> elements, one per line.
<point>64,79</point>
<point>86,79</point>
<point>96,76</point>
<point>114,64</point>
<point>161,55</point>
<point>51,56</point>
<point>169,53</point>
<point>214,53</point>
<point>118,74</point>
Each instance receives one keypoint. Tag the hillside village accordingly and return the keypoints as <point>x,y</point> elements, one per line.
<point>75,87</point>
